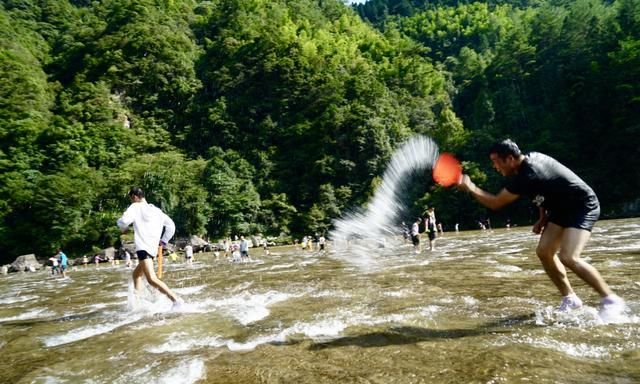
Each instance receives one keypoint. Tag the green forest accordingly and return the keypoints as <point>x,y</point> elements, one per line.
<point>277,116</point>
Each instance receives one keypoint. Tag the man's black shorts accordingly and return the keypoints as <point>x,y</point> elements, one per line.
<point>581,219</point>
<point>143,255</point>
<point>415,239</point>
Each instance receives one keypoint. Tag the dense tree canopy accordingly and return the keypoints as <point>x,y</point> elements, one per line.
<point>275,116</point>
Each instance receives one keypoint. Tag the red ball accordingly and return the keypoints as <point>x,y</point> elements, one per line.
<point>447,171</point>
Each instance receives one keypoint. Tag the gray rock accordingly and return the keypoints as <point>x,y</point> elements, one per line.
<point>109,253</point>
<point>25,263</point>
<point>129,246</point>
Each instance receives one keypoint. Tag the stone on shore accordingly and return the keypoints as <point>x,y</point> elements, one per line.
<point>25,263</point>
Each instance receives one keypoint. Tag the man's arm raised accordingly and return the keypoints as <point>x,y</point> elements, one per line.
<point>485,198</point>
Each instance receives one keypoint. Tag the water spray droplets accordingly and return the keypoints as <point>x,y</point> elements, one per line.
<point>359,234</point>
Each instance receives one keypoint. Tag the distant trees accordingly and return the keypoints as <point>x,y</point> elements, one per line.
<point>275,116</point>
<point>547,75</point>
<point>234,116</point>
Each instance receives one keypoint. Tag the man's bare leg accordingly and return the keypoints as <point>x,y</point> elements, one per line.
<point>150,274</point>
<point>573,242</point>
<point>548,245</point>
<point>137,277</point>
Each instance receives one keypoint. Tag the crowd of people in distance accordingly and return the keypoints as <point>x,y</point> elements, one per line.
<point>234,251</point>
<point>311,243</point>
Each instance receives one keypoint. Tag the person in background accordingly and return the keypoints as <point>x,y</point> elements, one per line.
<point>226,246</point>
<point>152,228</point>
<point>568,210</point>
<point>406,232</point>
<point>63,261</point>
<point>244,249</point>
<point>415,235</point>
<point>235,253</point>
<point>431,227</point>
<point>265,247</point>
<point>127,259</point>
<point>54,265</point>
<point>321,243</point>
<point>188,253</point>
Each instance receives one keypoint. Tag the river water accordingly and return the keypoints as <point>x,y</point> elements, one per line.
<point>479,309</point>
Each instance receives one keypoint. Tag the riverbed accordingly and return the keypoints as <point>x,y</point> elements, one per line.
<point>478,309</point>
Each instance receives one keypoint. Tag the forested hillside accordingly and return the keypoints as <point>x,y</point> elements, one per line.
<point>275,116</point>
<point>561,77</point>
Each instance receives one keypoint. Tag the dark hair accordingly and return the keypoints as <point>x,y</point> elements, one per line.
<point>505,148</point>
<point>135,191</point>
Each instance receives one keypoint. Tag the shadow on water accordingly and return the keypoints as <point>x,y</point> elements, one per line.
<point>411,335</point>
<point>525,319</point>
<point>397,336</point>
<point>31,322</point>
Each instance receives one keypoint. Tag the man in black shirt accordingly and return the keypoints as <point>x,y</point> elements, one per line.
<point>568,210</point>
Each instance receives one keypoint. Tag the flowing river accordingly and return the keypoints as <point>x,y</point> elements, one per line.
<point>479,309</point>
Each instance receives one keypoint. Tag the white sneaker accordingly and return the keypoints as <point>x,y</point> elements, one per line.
<point>570,302</point>
<point>611,306</point>
<point>177,305</point>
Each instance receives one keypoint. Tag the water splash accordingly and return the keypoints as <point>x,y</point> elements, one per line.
<point>147,301</point>
<point>359,234</point>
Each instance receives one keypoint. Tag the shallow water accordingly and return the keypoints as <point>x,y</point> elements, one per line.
<point>477,310</point>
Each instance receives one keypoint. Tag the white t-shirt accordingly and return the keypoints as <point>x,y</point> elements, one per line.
<point>148,222</point>
<point>415,231</point>
<point>188,250</point>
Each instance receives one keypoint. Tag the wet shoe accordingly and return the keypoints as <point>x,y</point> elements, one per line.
<point>177,305</point>
<point>611,307</point>
<point>570,302</point>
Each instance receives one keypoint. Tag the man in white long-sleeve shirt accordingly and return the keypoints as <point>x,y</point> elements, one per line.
<point>148,224</point>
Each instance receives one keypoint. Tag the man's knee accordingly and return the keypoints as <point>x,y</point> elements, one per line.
<point>569,259</point>
<point>153,280</point>
<point>544,253</point>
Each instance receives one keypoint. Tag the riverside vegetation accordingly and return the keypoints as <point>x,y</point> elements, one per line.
<point>277,116</point>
